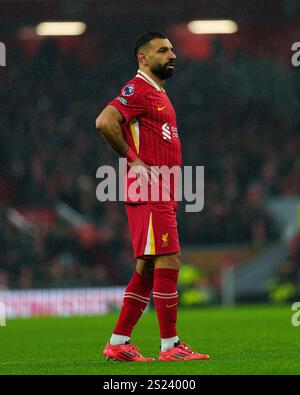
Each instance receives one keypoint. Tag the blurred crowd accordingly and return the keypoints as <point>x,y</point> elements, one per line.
<point>284,286</point>
<point>237,117</point>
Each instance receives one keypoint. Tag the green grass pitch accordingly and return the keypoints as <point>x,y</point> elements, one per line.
<point>244,340</point>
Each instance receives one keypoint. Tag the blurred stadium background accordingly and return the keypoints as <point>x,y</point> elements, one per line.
<point>237,100</point>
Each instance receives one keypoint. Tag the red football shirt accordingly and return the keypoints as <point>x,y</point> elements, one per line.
<point>150,127</point>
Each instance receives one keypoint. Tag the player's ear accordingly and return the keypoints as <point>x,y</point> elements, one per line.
<point>142,58</point>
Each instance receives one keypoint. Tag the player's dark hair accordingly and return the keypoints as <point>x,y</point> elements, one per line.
<point>145,39</point>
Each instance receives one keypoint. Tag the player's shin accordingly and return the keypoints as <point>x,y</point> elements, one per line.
<point>136,298</point>
<point>166,304</point>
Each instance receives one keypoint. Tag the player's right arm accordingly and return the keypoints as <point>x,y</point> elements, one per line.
<point>108,123</point>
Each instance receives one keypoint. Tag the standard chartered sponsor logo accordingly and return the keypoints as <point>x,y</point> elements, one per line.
<point>166,131</point>
<point>2,315</point>
<point>187,184</point>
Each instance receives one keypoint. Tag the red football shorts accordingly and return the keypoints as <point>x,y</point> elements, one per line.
<point>153,229</point>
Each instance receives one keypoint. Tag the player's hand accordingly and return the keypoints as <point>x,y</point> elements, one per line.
<point>143,171</point>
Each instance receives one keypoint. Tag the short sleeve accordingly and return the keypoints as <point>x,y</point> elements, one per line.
<point>130,102</point>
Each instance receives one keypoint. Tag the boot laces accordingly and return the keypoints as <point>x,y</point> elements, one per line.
<point>187,348</point>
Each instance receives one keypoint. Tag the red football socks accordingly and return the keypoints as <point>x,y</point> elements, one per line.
<point>136,298</point>
<point>165,298</point>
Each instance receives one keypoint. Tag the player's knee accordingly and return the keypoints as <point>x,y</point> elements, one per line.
<point>177,260</point>
<point>145,268</point>
<point>171,261</point>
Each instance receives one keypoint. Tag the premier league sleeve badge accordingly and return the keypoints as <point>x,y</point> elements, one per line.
<point>128,90</point>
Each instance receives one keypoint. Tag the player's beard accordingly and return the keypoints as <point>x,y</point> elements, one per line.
<point>163,71</point>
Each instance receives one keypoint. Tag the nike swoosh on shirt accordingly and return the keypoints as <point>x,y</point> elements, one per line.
<point>172,305</point>
<point>161,108</point>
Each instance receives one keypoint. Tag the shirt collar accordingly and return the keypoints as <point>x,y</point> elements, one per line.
<point>144,76</point>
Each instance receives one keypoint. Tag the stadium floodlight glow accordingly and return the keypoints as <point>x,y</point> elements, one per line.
<point>212,27</point>
<point>60,28</point>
